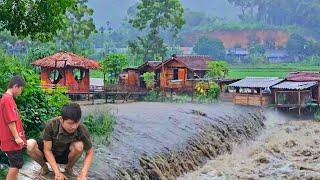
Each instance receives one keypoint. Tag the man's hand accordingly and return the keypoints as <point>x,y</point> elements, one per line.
<point>60,176</point>
<point>19,141</point>
<point>82,176</point>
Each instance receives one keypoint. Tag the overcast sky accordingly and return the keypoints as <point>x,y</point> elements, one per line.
<point>115,10</point>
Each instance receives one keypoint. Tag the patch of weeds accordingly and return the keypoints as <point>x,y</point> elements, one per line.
<point>317,115</point>
<point>100,126</point>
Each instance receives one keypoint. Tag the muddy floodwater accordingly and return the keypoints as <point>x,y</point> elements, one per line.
<point>285,149</point>
<point>167,141</point>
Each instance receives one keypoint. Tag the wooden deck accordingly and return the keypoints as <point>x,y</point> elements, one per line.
<point>111,96</point>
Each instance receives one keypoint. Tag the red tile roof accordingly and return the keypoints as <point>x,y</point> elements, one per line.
<point>303,76</point>
<point>72,60</point>
<point>193,62</point>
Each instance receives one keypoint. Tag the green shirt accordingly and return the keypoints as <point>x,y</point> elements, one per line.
<point>61,139</point>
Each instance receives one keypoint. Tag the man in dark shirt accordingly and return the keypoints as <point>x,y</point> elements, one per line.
<point>64,139</point>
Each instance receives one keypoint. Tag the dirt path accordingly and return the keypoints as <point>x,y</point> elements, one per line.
<point>285,150</point>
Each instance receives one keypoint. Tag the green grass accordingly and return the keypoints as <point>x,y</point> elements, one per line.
<point>101,125</point>
<point>269,70</point>
<point>258,70</point>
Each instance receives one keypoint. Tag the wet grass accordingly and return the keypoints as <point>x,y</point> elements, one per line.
<point>269,70</point>
<point>100,126</point>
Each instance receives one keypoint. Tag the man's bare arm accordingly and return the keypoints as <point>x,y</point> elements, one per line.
<point>47,145</point>
<point>13,128</point>
<point>87,163</point>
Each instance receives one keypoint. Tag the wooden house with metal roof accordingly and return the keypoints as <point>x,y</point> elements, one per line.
<point>298,91</point>
<point>254,91</point>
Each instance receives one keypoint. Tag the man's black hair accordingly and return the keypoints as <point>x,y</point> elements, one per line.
<point>16,80</point>
<point>71,111</point>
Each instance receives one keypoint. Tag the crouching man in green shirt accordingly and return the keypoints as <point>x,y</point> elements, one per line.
<point>64,140</point>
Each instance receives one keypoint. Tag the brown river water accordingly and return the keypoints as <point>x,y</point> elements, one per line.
<point>177,141</point>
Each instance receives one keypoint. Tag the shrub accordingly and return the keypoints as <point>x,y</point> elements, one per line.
<point>152,96</point>
<point>35,105</point>
<point>317,115</point>
<point>148,78</point>
<point>207,91</point>
<point>100,126</point>
<point>214,91</point>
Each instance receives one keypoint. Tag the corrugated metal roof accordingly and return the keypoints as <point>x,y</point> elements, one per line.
<point>256,82</point>
<point>295,85</point>
<point>72,60</point>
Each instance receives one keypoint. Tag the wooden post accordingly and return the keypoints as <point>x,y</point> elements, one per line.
<point>299,102</point>
<point>65,73</point>
<point>261,96</point>
<point>318,99</point>
<point>192,89</point>
<point>275,99</point>
<point>92,98</point>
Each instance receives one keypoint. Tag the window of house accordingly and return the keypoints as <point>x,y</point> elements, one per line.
<point>55,76</point>
<point>175,74</point>
<point>78,74</point>
<point>189,74</point>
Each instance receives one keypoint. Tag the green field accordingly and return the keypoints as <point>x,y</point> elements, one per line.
<point>262,70</point>
<point>268,70</point>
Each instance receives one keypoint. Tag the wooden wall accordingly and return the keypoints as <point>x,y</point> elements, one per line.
<point>252,99</point>
<point>130,78</point>
<point>168,75</point>
<point>67,80</point>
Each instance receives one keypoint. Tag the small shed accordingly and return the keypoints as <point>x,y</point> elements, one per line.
<point>254,91</point>
<point>66,69</point>
<point>293,95</point>
<point>131,77</point>
<point>276,56</point>
<point>307,77</point>
<point>239,53</point>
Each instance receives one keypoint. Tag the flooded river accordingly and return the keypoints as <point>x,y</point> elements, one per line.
<point>285,149</point>
<point>166,141</point>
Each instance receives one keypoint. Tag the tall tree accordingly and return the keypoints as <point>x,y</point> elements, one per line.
<point>37,19</point>
<point>80,26</point>
<point>296,45</point>
<point>244,6</point>
<point>209,46</point>
<point>155,16</point>
<point>304,13</point>
<point>217,69</point>
<point>112,66</point>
